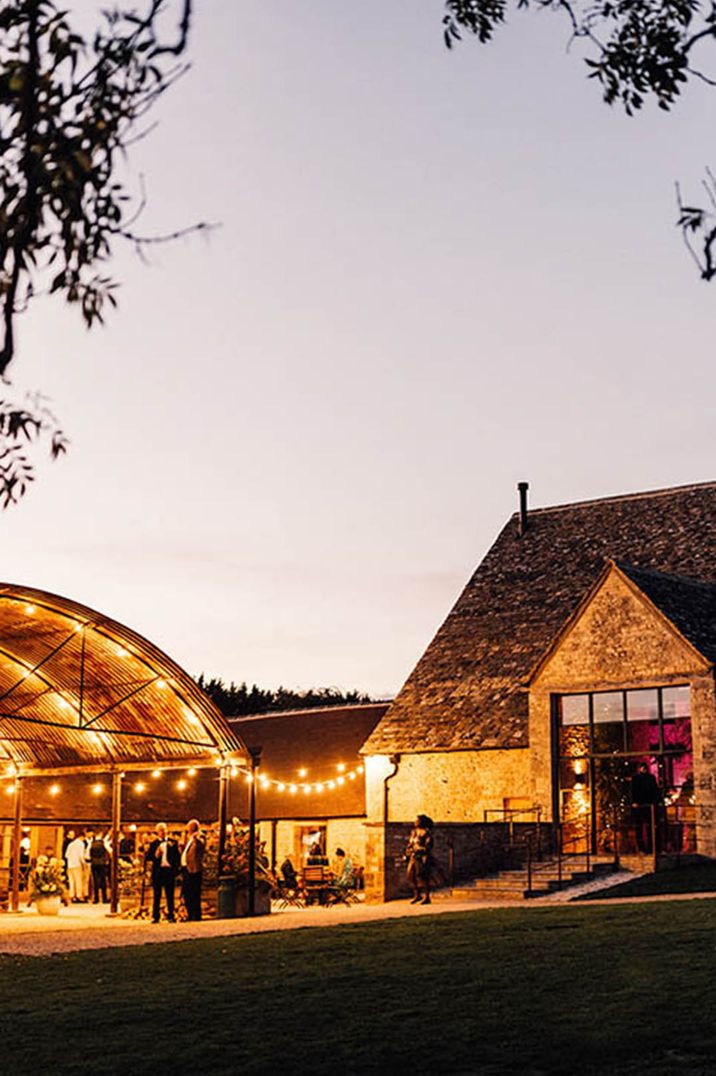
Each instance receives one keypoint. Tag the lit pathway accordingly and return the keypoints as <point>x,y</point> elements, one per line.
<point>29,934</point>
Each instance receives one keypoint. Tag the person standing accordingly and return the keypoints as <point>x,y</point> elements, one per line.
<point>76,860</point>
<point>163,854</point>
<point>192,861</point>
<point>645,800</point>
<point>418,853</point>
<point>99,862</point>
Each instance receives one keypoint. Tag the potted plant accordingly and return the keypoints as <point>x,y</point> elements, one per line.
<point>235,873</point>
<point>47,888</point>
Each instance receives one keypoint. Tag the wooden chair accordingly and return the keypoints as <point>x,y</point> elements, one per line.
<point>315,884</point>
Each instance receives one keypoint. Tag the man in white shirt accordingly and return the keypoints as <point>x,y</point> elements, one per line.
<point>77,869</point>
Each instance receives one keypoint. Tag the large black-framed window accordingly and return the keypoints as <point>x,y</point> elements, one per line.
<point>601,737</point>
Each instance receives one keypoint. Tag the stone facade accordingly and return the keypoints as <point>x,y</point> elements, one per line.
<point>616,639</point>
<point>619,640</point>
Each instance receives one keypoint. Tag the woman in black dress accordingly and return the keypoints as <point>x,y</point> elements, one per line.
<point>418,853</point>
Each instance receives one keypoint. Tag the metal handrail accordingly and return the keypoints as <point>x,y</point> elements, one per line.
<point>510,814</point>
<point>561,857</point>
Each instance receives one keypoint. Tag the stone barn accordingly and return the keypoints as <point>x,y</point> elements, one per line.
<point>581,649</point>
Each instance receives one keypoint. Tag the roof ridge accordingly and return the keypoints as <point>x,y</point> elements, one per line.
<point>629,566</point>
<point>619,497</point>
<point>309,710</point>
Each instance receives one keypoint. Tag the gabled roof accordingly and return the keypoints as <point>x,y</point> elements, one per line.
<point>470,687</point>
<point>689,604</point>
<point>317,740</point>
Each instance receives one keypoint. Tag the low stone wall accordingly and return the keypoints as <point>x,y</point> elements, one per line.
<point>462,851</point>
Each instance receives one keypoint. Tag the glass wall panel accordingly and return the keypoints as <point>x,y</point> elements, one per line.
<point>643,737</point>
<point>643,705</point>
<point>600,758</point>
<point>675,701</point>
<point>575,709</point>
<point>608,710</point>
<point>574,740</point>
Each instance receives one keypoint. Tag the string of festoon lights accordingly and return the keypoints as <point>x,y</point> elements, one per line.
<point>340,778</point>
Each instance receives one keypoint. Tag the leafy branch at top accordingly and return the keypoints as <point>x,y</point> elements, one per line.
<point>639,49</point>
<point>70,109</point>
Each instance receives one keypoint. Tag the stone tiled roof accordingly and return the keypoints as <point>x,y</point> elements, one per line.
<point>469,689</point>
<point>690,605</point>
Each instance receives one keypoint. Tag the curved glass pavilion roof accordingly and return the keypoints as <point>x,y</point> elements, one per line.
<point>78,689</point>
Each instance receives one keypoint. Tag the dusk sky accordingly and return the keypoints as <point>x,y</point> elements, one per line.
<point>436,273</point>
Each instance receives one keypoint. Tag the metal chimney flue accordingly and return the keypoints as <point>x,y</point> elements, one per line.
<point>523,487</point>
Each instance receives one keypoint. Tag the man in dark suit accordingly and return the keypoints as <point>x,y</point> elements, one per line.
<point>645,800</point>
<point>163,854</point>
<point>192,861</point>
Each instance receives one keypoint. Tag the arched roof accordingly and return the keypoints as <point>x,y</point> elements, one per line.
<point>78,689</point>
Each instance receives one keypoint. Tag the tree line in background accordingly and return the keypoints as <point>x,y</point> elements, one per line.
<point>235,700</point>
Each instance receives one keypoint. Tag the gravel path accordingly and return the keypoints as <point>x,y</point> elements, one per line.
<point>75,929</point>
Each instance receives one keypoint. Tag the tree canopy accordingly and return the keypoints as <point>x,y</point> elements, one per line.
<point>70,109</point>
<point>234,700</point>
<point>636,50</point>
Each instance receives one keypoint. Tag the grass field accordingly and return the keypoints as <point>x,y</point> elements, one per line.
<point>689,878</point>
<point>617,990</point>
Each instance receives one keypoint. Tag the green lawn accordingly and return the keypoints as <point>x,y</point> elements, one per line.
<point>690,878</point>
<point>617,991</point>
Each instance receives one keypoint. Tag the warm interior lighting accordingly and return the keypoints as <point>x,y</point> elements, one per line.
<point>98,789</point>
<point>156,773</point>
<point>181,784</point>
<point>139,786</point>
<point>341,780</point>
<point>121,652</point>
<point>10,790</point>
<point>233,771</point>
<point>331,784</point>
<point>29,609</point>
<point>302,772</point>
<point>341,767</point>
<point>280,787</point>
<point>192,771</point>
<point>249,778</point>
<point>293,789</point>
<point>319,788</point>
<point>352,776</point>
<point>161,683</point>
<point>265,783</point>
<point>54,790</point>
<point>306,789</point>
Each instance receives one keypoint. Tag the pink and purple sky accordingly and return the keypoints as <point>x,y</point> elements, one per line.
<point>436,274</point>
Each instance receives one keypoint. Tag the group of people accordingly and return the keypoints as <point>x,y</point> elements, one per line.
<point>342,872</point>
<point>87,857</point>
<point>168,859</point>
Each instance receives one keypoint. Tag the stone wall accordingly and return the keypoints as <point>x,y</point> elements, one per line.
<point>451,786</point>
<point>462,852</point>
<point>619,641</point>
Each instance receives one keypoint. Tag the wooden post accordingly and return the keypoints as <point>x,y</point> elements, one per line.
<point>116,822</point>
<point>223,803</point>
<point>255,753</point>
<point>16,842</point>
